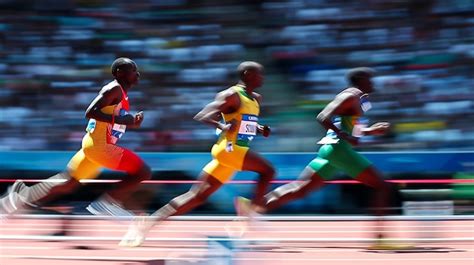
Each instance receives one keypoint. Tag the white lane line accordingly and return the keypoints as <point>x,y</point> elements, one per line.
<point>102,248</point>
<point>194,249</point>
<point>353,259</point>
<point>119,258</point>
<point>256,239</point>
<point>272,230</point>
<point>27,248</point>
<point>188,250</point>
<point>272,225</point>
<point>263,218</point>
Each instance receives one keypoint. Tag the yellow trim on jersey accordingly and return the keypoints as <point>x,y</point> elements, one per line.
<point>247,107</point>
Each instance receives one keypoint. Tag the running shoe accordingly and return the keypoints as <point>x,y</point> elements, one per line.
<point>137,232</point>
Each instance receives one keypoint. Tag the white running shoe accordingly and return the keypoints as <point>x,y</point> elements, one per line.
<point>12,201</point>
<point>18,186</point>
<point>137,232</point>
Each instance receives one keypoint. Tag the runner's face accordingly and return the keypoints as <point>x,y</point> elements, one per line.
<point>366,85</point>
<point>255,77</point>
<point>133,75</point>
<point>130,74</point>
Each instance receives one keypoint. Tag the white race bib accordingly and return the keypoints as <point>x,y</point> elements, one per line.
<point>119,129</point>
<point>247,129</point>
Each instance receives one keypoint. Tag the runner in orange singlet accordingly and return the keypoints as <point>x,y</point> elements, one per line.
<point>108,119</point>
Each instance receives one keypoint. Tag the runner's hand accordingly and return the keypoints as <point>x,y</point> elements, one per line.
<point>137,119</point>
<point>229,126</point>
<point>264,130</point>
<point>380,128</point>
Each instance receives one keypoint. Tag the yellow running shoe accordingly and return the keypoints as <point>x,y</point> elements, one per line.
<point>387,244</point>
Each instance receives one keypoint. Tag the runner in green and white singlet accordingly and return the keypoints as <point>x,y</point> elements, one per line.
<point>342,117</point>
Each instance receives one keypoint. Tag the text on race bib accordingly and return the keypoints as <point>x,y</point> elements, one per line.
<point>248,125</point>
<point>247,129</point>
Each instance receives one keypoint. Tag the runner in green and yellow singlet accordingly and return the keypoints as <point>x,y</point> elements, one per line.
<point>238,107</point>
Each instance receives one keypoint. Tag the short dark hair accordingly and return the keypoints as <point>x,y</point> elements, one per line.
<point>248,65</point>
<point>355,74</point>
<point>119,63</point>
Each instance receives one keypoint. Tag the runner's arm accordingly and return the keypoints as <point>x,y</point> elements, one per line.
<point>211,114</point>
<point>104,99</point>
<point>340,105</point>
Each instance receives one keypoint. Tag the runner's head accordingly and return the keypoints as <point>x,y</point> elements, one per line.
<point>125,71</point>
<point>251,73</point>
<point>361,78</point>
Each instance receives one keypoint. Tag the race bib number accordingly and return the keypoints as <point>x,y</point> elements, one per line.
<point>119,129</point>
<point>247,129</point>
<point>365,104</point>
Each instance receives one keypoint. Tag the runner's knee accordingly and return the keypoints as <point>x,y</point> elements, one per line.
<point>379,183</point>
<point>304,190</point>
<point>267,176</point>
<point>268,173</point>
<point>144,173</point>
<point>67,187</point>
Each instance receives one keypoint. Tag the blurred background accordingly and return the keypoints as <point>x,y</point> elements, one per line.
<point>56,55</point>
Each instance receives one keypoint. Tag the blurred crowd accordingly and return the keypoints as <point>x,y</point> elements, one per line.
<point>55,56</point>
